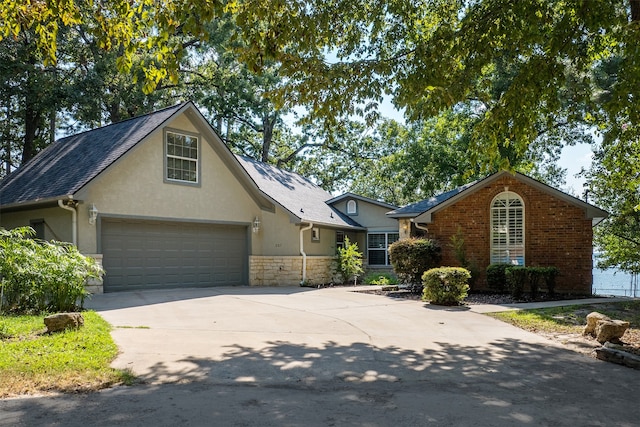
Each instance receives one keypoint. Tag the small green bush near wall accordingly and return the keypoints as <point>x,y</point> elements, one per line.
<point>496,279</point>
<point>412,257</point>
<point>381,279</point>
<point>445,285</point>
<point>349,261</point>
<point>39,276</point>
<point>520,279</point>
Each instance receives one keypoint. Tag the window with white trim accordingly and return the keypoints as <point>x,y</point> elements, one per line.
<point>352,207</point>
<point>182,157</point>
<point>378,247</point>
<point>339,239</point>
<point>507,229</point>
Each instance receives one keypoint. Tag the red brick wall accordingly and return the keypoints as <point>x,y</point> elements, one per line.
<point>557,233</point>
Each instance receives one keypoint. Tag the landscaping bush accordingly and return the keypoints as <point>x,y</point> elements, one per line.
<point>549,275</point>
<point>496,279</point>
<point>40,276</point>
<point>349,261</point>
<point>381,279</point>
<point>516,280</point>
<point>535,276</point>
<point>412,257</point>
<point>445,285</point>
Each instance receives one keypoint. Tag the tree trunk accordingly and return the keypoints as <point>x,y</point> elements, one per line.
<point>31,121</point>
<point>267,135</point>
<point>635,10</point>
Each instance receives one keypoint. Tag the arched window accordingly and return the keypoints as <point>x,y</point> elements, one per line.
<point>507,229</point>
<point>352,207</point>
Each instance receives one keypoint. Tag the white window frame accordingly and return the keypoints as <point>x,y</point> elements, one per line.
<point>508,229</point>
<point>381,247</point>
<point>195,161</point>
<point>340,235</point>
<point>315,234</point>
<point>352,207</point>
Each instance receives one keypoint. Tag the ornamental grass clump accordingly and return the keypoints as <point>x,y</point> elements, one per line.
<point>40,276</point>
<point>445,285</point>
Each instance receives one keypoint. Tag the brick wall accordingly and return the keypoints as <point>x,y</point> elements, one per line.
<point>287,270</point>
<point>557,233</point>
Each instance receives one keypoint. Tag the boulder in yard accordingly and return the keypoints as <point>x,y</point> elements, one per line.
<point>61,321</point>
<point>610,330</point>
<point>592,322</point>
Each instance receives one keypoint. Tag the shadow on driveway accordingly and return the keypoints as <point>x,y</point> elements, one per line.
<point>509,382</point>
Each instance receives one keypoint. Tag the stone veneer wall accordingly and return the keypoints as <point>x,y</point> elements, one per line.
<point>95,286</point>
<point>287,270</point>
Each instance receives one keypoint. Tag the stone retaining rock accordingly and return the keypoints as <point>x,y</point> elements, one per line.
<point>611,353</point>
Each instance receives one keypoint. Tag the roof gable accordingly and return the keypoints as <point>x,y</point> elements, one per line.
<point>70,163</point>
<point>349,195</point>
<point>421,212</point>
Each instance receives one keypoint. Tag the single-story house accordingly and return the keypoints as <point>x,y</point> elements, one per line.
<point>510,218</point>
<point>162,202</point>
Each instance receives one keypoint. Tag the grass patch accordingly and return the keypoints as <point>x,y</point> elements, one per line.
<point>570,319</point>
<point>32,361</point>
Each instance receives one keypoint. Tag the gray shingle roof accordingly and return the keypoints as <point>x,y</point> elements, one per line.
<point>301,197</point>
<point>70,163</point>
<point>417,208</point>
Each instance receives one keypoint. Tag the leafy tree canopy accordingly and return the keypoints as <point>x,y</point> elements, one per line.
<point>428,56</point>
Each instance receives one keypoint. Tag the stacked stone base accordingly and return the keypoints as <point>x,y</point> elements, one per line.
<point>287,270</point>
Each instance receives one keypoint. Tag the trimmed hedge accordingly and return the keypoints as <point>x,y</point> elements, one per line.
<point>496,278</point>
<point>412,257</point>
<point>520,278</point>
<point>445,285</point>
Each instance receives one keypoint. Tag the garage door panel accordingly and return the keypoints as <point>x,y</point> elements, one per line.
<point>151,254</point>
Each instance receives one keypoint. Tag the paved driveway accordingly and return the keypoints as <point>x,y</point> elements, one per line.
<point>294,356</point>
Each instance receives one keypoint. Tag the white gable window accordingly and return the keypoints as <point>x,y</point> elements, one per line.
<point>507,229</point>
<point>182,152</point>
<point>352,207</point>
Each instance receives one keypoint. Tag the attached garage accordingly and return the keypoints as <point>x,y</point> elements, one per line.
<point>142,254</point>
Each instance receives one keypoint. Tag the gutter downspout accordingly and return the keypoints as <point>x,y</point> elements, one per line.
<point>74,221</point>
<point>304,255</point>
<point>419,227</point>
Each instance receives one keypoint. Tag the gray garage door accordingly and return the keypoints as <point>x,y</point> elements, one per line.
<point>154,254</point>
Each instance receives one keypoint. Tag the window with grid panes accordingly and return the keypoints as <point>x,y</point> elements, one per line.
<point>378,247</point>
<point>182,153</point>
<point>507,229</point>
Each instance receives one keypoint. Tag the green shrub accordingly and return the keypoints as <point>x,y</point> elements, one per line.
<point>349,261</point>
<point>412,257</point>
<point>535,276</point>
<point>381,279</point>
<point>549,275</point>
<point>496,279</point>
<point>40,276</point>
<point>445,285</point>
<point>516,280</point>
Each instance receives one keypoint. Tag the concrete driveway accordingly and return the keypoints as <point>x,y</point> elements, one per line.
<point>294,356</point>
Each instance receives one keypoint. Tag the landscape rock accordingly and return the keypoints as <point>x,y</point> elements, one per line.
<point>592,322</point>
<point>610,330</point>
<point>615,354</point>
<point>61,321</point>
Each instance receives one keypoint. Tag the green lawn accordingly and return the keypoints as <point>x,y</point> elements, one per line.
<point>32,361</point>
<point>570,319</point>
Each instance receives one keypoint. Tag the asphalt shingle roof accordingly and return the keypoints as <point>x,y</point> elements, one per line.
<point>70,163</point>
<point>417,208</point>
<point>298,195</point>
